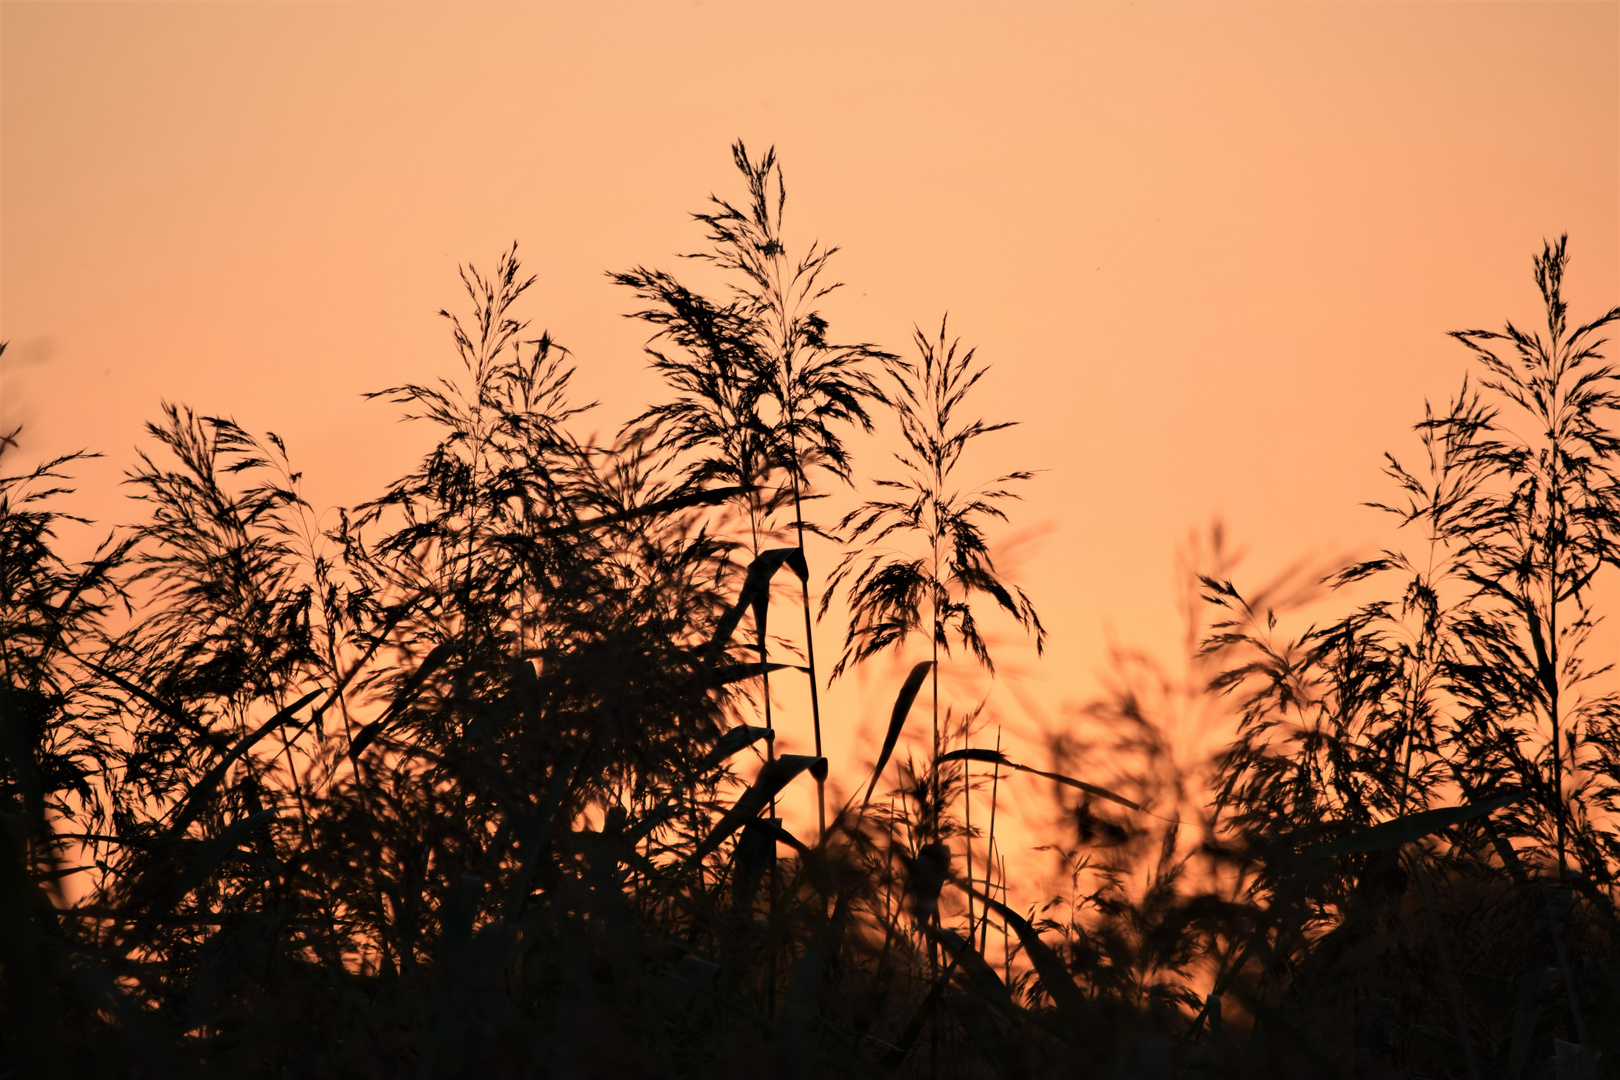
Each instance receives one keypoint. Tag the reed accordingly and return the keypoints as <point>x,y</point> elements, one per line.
<point>763,394</point>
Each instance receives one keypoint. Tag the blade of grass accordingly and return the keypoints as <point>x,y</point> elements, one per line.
<point>407,693</point>
<point>738,738</point>
<point>193,804</point>
<point>1388,835</point>
<point>998,758</point>
<point>773,777</point>
<point>1049,967</point>
<point>755,594</point>
<point>897,721</point>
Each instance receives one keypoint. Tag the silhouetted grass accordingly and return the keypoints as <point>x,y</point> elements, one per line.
<point>468,784</point>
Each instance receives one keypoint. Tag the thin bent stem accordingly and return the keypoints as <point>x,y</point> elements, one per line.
<point>810,650</point>
<point>989,845</point>
<point>967,810</point>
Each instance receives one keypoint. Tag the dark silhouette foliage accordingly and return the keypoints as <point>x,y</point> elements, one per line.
<point>467,783</point>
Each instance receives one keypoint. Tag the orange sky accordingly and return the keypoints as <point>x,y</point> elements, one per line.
<point>1212,250</point>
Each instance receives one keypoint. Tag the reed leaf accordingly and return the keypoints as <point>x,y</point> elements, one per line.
<point>203,790</point>
<point>734,740</point>
<point>1049,966</point>
<point>162,887</point>
<point>996,757</point>
<point>402,699</point>
<point>897,721</point>
<point>725,674</point>
<point>982,978</point>
<point>755,594</point>
<point>1389,835</point>
<point>773,777</point>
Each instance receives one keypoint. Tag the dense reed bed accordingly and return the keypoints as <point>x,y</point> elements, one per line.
<point>481,781</point>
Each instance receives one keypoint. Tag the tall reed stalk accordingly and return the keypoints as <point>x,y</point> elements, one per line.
<point>764,394</point>
<point>932,588</point>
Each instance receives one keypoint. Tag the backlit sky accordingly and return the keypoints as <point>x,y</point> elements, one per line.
<point>1211,250</point>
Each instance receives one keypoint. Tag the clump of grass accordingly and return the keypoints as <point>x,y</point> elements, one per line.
<point>466,784</point>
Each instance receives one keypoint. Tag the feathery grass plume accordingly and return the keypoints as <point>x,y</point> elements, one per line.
<point>1472,687</point>
<point>55,735</point>
<point>892,594</point>
<point>763,394</point>
<point>1534,542</point>
<point>235,614</point>
<point>58,744</point>
<point>1476,677</point>
<point>476,525</point>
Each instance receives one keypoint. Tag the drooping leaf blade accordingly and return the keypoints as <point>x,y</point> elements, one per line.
<point>407,693</point>
<point>755,594</point>
<point>897,721</point>
<point>193,804</point>
<point>996,757</point>
<point>1093,789</point>
<point>168,708</point>
<point>724,674</point>
<point>733,740</point>
<point>770,828</point>
<point>974,753</point>
<point>1389,835</point>
<point>981,976</point>
<point>161,889</point>
<point>1049,967</point>
<point>775,776</point>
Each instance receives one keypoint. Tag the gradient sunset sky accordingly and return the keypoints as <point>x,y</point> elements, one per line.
<point>1212,250</point>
